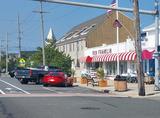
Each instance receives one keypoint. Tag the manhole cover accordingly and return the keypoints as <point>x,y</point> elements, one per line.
<point>90,108</point>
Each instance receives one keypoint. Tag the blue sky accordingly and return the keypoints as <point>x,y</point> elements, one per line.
<point>61,18</point>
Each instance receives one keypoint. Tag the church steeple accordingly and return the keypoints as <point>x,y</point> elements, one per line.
<point>50,38</point>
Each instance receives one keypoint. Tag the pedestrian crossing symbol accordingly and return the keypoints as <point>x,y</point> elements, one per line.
<point>22,62</point>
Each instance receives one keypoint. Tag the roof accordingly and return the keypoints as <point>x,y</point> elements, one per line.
<point>81,30</point>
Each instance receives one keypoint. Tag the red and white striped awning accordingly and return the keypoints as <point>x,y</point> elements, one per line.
<point>125,56</point>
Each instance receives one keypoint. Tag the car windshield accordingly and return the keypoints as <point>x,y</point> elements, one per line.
<point>54,74</point>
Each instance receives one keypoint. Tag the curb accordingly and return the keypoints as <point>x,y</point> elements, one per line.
<point>131,94</point>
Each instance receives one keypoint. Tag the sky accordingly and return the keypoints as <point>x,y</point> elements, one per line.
<point>61,18</point>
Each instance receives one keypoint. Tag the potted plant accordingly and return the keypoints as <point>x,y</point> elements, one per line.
<point>120,83</point>
<point>100,74</point>
<point>83,79</point>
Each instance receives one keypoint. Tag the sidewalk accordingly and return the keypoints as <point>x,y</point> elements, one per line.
<point>131,92</point>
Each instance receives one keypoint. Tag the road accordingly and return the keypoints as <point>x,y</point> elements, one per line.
<point>13,86</point>
<point>36,101</point>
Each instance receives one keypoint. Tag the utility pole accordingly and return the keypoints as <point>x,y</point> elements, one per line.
<point>6,52</point>
<point>117,38</point>
<point>42,32</point>
<point>140,75</point>
<point>157,50</point>
<point>19,37</point>
<point>0,50</point>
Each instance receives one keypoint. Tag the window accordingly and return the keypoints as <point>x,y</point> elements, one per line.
<point>82,30</point>
<point>75,34</point>
<point>69,36</point>
<point>70,47</point>
<point>87,29</point>
<point>72,35</point>
<point>77,46</point>
<point>63,48</point>
<point>73,46</point>
<point>66,47</point>
<point>81,43</point>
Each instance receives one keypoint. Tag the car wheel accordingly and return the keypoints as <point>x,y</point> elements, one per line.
<point>23,81</point>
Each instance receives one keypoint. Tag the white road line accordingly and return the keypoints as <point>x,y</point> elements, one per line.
<point>51,90</point>
<point>2,92</point>
<point>15,87</point>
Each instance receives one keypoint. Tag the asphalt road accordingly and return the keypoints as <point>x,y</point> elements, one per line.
<point>13,86</point>
<point>36,101</point>
<point>78,107</point>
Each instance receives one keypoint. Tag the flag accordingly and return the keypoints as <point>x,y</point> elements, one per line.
<point>117,24</point>
<point>113,4</point>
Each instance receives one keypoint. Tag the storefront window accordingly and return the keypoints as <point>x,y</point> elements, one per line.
<point>133,67</point>
<point>110,68</point>
<point>123,67</point>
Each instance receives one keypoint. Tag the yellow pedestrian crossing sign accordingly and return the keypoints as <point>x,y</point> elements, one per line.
<point>22,62</point>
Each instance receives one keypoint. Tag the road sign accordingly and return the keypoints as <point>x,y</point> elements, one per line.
<point>22,62</point>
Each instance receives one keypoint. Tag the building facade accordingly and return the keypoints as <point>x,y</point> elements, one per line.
<point>94,33</point>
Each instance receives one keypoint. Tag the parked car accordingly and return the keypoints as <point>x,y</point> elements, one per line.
<point>25,75</point>
<point>56,79</point>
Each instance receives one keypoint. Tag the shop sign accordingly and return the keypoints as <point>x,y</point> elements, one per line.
<point>101,52</point>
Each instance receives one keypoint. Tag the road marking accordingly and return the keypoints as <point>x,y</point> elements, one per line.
<point>15,87</point>
<point>2,92</point>
<point>9,89</point>
<point>51,90</point>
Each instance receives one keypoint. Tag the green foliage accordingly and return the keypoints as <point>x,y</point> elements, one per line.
<point>53,58</point>
<point>100,73</point>
<point>12,63</point>
<point>3,63</point>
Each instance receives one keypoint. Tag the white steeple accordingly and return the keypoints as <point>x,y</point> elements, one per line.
<point>50,37</point>
<point>50,34</point>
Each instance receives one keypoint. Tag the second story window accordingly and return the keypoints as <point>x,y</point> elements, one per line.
<point>63,48</point>
<point>73,46</point>
<point>87,29</point>
<point>70,47</point>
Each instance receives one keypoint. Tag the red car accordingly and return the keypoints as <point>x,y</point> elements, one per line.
<point>56,79</point>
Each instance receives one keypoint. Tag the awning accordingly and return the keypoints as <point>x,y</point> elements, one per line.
<point>125,56</point>
<point>147,54</point>
<point>128,56</point>
<point>87,59</point>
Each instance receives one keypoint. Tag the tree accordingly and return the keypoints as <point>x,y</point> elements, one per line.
<point>53,58</point>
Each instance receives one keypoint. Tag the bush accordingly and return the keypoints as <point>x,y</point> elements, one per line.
<point>119,78</point>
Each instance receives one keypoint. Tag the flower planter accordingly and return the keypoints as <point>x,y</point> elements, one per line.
<point>102,83</point>
<point>120,86</point>
<point>115,85</point>
<point>83,80</point>
<point>120,83</point>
